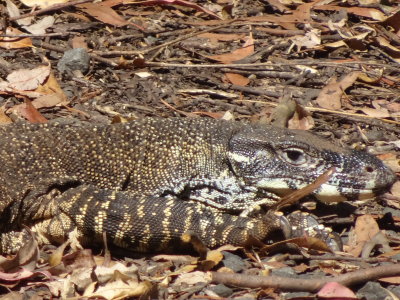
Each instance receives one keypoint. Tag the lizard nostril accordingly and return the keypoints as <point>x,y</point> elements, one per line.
<point>369,169</point>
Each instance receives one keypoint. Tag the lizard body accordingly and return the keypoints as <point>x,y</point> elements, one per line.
<point>145,183</point>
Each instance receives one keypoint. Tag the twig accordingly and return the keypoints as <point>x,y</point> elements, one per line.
<point>370,260</point>
<point>324,110</point>
<point>283,32</point>
<point>384,54</point>
<point>26,35</point>
<point>298,194</point>
<point>346,64</point>
<point>50,8</point>
<point>309,284</point>
<point>147,50</point>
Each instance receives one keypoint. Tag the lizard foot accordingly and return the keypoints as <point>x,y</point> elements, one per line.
<point>305,224</point>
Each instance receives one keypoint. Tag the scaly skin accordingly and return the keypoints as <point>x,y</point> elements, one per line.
<point>147,182</point>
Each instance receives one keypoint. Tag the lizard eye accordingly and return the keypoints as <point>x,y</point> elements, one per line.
<point>294,156</point>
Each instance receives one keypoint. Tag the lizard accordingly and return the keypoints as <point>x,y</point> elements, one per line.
<point>146,182</point>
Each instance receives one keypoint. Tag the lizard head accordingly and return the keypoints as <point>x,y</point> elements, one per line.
<point>280,160</point>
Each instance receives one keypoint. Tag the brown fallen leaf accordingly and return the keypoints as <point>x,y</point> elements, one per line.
<point>14,43</point>
<point>42,3</point>
<point>391,50</point>
<point>26,257</point>
<point>30,113</point>
<point>21,275</point>
<point>4,119</point>
<point>79,259</point>
<point>237,79</point>
<point>376,113</point>
<point>368,12</point>
<point>380,239</point>
<point>104,14</point>
<point>330,95</point>
<point>334,290</point>
<point>392,280</point>
<point>28,79</point>
<point>303,12</point>
<point>278,5</point>
<point>192,278</point>
<point>40,26</point>
<point>238,54</point>
<point>51,86</point>
<point>365,228</point>
<point>301,119</point>
<point>79,42</point>
<point>213,258</point>
<point>120,289</point>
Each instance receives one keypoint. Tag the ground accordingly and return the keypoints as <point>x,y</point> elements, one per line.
<point>332,67</point>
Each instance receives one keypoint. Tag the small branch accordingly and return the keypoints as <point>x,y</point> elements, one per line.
<point>349,64</point>
<point>371,260</point>
<point>324,110</point>
<point>147,50</point>
<point>26,35</point>
<point>310,285</point>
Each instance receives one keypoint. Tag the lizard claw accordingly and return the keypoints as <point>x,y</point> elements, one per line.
<point>298,224</point>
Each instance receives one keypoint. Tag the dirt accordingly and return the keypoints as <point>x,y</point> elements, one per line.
<point>333,69</point>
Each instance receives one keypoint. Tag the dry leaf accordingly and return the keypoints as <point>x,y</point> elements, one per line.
<point>393,51</point>
<point>330,95</point>
<point>380,239</point>
<point>213,258</point>
<point>79,42</point>
<point>301,119</point>
<point>278,5</point>
<point>372,13</point>
<point>376,113</point>
<point>311,39</point>
<point>192,278</point>
<point>30,113</point>
<point>392,280</point>
<point>237,79</point>
<point>26,257</point>
<point>78,259</point>
<point>14,43</point>
<point>51,86</point>
<point>103,13</point>
<point>120,289</point>
<point>238,54</point>
<point>365,228</point>
<point>4,119</point>
<point>41,26</point>
<point>25,79</point>
<point>42,3</point>
<point>393,107</point>
<point>336,290</point>
<point>302,13</point>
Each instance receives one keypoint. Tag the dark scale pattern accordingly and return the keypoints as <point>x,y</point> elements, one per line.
<point>147,182</point>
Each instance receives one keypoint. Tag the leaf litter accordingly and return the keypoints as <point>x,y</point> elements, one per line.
<point>338,62</point>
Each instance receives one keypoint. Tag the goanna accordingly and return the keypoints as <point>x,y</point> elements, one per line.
<point>146,182</point>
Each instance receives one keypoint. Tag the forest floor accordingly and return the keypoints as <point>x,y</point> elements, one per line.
<point>330,66</point>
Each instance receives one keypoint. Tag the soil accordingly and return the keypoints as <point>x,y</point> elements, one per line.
<point>332,69</point>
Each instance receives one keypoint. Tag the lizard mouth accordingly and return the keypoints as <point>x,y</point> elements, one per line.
<point>327,192</point>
